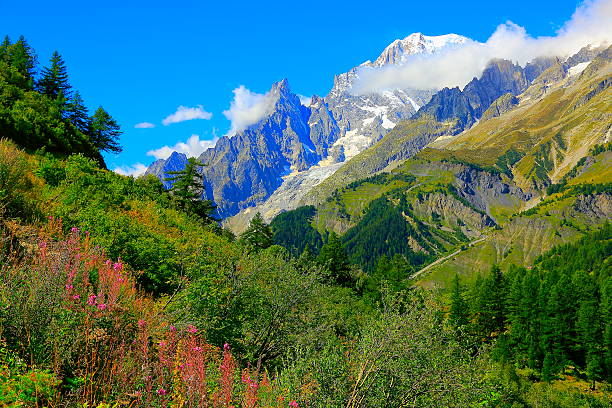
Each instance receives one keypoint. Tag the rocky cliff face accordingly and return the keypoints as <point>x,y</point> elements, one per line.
<point>498,78</point>
<point>246,168</point>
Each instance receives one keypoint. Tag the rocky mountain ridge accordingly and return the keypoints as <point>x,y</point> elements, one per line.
<point>308,143</point>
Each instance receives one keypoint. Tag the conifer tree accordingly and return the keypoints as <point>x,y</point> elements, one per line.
<point>530,315</point>
<point>333,256</point>
<point>78,114</point>
<point>459,314</point>
<point>54,81</point>
<point>104,132</point>
<point>258,235</point>
<point>589,328</point>
<point>5,49</point>
<point>22,57</point>
<point>606,318</point>
<point>188,188</point>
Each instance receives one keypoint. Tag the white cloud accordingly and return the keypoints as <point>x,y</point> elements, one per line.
<point>305,100</point>
<point>144,125</point>
<point>590,24</point>
<point>192,148</point>
<point>184,113</point>
<point>248,108</point>
<point>135,170</point>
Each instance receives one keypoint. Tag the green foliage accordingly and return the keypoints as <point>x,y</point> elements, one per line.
<point>507,160</point>
<point>22,57</point>
<point>333,257</point>
<point>51,170</point>
<point>105,132</point>
<point>553,316</point>
<point>458,314</point>
<point>17,187</point>
<point>384,231</point>
<point>293,230</point>
<point>258,234</point>
<point>45,116</point>
<point>54,81</point>
<point>20,386</point>
<point>187,189</point>
<point>135,220</point>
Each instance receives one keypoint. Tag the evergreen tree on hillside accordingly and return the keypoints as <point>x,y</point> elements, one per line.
<point>589,328</point>
<point>606,318</point>
<point>258,235</point>
<point>54,81</point>
<point>4,49</point>
<point>458,315</point>
<point>23,58</point>
<point>333,256</point>
<point>105,132</point>
<point>78,114</point>
<point>187,189</point>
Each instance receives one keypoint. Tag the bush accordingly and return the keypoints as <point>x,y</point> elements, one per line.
<point>17,185</point>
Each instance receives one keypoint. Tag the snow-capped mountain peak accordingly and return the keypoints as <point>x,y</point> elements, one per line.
<point>417,44</point>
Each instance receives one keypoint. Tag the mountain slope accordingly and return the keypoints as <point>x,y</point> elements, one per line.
<point>449,112</point>
<point>555,131</point>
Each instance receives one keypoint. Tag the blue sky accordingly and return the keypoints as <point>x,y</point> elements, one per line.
<point>141,60</point>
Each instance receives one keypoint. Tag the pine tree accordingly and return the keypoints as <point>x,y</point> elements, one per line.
<point>78,114</point>
<point>54,82</point>
<point>333,256</point>
<point>459,314</point>
<point>22,57</point>
<point>606,318</point>
<point>187,190</point>
<point>5,49</point>
<point>498,299</point>
<point>258,235</point>
<point>589,328</point>
<point>530,315</point>
<point>557,326</point>
<point>104,132</point>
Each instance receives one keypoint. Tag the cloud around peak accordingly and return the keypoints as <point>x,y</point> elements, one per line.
<point>193,147</point>
<point>184,113</point>
<point>590,24</point>
<point>135,170</point>
<point>248,108</point>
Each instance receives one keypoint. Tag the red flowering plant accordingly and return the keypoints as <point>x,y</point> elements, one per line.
<point>80,314</point>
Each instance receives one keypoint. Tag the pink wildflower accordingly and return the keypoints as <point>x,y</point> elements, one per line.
<point>226,347</point>
<point>101,306</point>
<point>161,391</point>
<point>294,404</point>
<point>117,266</point>
<point>192,329</point>
<point>141,323</point>
<point>69,287</point>
<point>197,349</point>
<point>74,229</point>
<point>172,328</point>
<point>91,300</point>
<point>76,297</point>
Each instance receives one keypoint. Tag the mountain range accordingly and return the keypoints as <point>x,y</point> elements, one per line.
<point>296,146</point>
<point>306,155</point>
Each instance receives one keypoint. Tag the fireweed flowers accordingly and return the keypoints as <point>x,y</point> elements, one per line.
<point>120,338</point>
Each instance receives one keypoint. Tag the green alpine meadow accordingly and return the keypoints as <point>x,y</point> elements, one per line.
<point>434,230</point>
